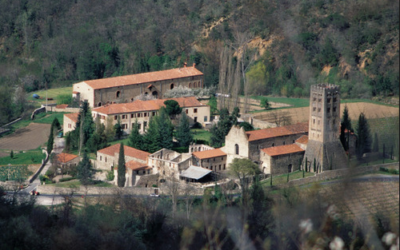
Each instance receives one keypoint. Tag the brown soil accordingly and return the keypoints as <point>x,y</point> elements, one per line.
<point>30,137</point>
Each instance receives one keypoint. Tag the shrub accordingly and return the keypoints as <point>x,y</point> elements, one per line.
<point>197,125</point>
<point>64,99</point>
<point>66,179</point>
<point>110,175</point>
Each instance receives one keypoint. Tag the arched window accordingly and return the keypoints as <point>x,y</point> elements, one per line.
<point>273,144</point>
<point>99,105</point>
<point>190,84</point>
<point>118,94</point>
<point>171,86</point>
<point>236,149</point>
<point>155,94</point>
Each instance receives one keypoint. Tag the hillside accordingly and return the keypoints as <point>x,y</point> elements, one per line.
<point>351,43</point>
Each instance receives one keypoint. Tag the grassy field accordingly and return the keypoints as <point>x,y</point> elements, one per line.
<point>14,172</point>
<point>51,93</point>
<point>77,184</point>
<point>282,179</point>
<point>29,157</point>
<point>201,134</point>
<point>46,118</point>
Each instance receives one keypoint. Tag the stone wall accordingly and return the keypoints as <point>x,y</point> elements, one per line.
<point>329,175</point>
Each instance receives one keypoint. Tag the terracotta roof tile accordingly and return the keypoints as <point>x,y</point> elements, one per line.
<point>303,139</point>
<point>64,157</point>
<point>276,132</point>
<point>128,151</point>
<point>61,106</point>
<point>134,165</point>
<point>150,105</point>
<point>144,78</point>
<point>72,116</point>
<point>209,153</point>
<point>282,150</point>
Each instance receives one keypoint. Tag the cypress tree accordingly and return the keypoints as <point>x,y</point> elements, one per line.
<point>50,141</point>
<point>315,165</point>
<point>121,166</point>
<point>12,154</point>
<point>271,180</point>
<point>346,121</point>
<point>363,137</point>
<point>183,133</point>
<point>165,129</point>
<point>375,147</point>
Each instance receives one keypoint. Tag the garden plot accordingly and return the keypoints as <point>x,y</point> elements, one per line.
<point>30,137</point>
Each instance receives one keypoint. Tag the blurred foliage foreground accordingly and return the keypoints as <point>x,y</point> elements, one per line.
<point>288,218</point>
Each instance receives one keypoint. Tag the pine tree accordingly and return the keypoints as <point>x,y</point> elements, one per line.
<point>165,129</point>
<point>346,121</point>
<point>183,133</point>
<point>85,170</point>
<point>135,138</point>
<point>121,166</point>
<point>152,137</point>
<point>363,144</point>
<point>118,129</point>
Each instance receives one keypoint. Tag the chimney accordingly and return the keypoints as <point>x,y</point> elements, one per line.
<point>184,64</point>
<point>194,65</point>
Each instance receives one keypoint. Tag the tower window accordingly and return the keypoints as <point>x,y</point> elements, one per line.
<point>328,110</point>
<point>236,149</point>
<point>314,108</point>
<point>334,109</point>
<point>328,100</point>
<point>334,99</point>
<point>118,94</point>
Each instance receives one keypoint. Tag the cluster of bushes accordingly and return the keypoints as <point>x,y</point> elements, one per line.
<point>390,170</point>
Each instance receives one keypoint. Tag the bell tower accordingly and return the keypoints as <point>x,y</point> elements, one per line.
<point>324,125</point>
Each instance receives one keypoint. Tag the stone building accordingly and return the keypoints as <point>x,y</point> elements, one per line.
<point>168,163</point>
<point>65,161</point>
<point>142,111</point>
<point>242,144</point>
<point>123,89</point>
<point>324,127</point>
<point>70,121</point>
<point>281,159</point>
<point>214,159</point>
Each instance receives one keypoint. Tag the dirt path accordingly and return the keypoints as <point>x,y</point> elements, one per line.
<point>30,137</point>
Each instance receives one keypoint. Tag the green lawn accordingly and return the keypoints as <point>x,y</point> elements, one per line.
<point>202,135</point>
<point>51,93</point>
<point>282,179</point>
<point>14,172</point>
<point>124,141</point>
<point>29,157</point>
<point>40,118</point>
<point>77,184</point>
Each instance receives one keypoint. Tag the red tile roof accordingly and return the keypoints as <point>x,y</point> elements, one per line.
<point>276,132</point>
<point>282,150</point>
<point>64,157</point>
<point>73,116</point>
<point>144,78</point>
<point>303,139</point>
<point>134,165</point>
<point>128,151</point>
<point>61,106</point>
<point>209,153</point>
<point>150,105</point>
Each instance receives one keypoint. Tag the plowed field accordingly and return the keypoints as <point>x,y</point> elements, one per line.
<point>27,138</point>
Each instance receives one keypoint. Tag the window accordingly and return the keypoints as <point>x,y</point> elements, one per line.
<point>214,159</point>
<point>195,111</point>
<point>144,124</point>
<point>319,122</point>
<point>314,108</point>
<point>154,114</point>
<point>187,111</point>
<point>115,117</point>
<point>118,94</point>
<point>273,144</point>
<point>319,109</point>
<point>328,110</point>
<point>224,166</point>
<point>145,114</point>
<point>139,126</point>
<point>328,100</point>
<point>319,100</point>
<point>105,159</point>
<point>236,149</point>
<point>219,167</point>
<point>99,104</point>
<point>334,99</point>
<point>334,109</point>
<point>314,99</point>
<point>138,114</point>
<point>100,157</point>
<point>123,116</point>
<point>132,115</point>
<point>205,118</point>
<point>284,143</point>
<point>195,119</point>
<point>171,86</point>
<point>69,125</point>
<point>124,126</point>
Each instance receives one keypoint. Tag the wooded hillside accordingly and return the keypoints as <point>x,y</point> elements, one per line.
<point>351,43</point>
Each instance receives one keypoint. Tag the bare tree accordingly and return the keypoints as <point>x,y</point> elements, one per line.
<point>188,194</point>
<point>172,186</point>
